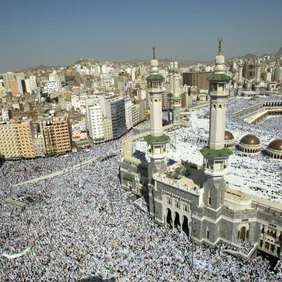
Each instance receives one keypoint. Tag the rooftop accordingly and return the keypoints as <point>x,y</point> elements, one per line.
<point>155,77</point>
<point>157,139</point>
<point>207,152</point>
<point>219,77</point>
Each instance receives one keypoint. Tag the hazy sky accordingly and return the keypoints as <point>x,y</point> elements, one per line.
<point>60,32</point>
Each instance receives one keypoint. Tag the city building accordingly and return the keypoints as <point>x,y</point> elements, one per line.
<point>14,87</point>
<point>198,79</point>
<point>16,139</point>
<point>96,120</point>
<point>249,69</point>
<point>54,83</point>
<point>113,108</point>
<point>8,77</point>
<point>56,132</point>
<point>128,113</point>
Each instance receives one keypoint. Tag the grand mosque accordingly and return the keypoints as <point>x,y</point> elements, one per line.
<point>193,198</point>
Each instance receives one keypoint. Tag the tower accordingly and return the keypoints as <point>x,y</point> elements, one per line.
<point>157,141</point>
<point>258,74</point>
<point>170,75</point>
<point>240,81</point>
<point>176,94</point>
<point>215,155</point>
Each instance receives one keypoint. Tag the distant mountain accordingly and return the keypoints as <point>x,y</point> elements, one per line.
<point>40,67</point>
<point>279,52</point>
<point>249,56</point>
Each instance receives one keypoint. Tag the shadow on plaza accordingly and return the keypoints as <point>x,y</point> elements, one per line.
<point>97,279</point>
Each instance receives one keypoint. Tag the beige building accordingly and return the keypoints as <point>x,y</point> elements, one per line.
<point>16,139</point>
<point>198,79</point>
<point>108,128</point>
<point>57,134</point>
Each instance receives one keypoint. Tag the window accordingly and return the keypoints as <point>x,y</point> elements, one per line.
<point>209,200</point>
<point>208,234</point>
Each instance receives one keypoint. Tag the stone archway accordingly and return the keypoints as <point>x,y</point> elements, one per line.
<point>185,225</point>
<point>243,233</point>
<point>177,220</point>
<point>169,218</point>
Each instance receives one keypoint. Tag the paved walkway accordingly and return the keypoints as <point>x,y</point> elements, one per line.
<point>67,170</point>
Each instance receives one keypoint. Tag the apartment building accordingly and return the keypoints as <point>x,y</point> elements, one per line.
<point>113,107</point>
<point>198,79</point>
<point>16,139</point>
<point>96,128</point>
<point>128,113</point>
<point>57,134</point>
<point>141,110</point>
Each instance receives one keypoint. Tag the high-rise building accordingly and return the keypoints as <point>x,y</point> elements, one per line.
<point>249,69</point>
<point>198,79</point>
<point>54,83</point>
<point>128,113</point>
<point>16,139</point>
<point>142,106</point>
<point>96,128</point>
<point>57,134</point>
<point>14,87</point>
<point>33,83</point>
<point>28,85</point>
<point>8,77</point>
<point>113,107</point>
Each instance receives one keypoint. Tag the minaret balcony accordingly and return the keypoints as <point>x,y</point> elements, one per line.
<point>155,91</point>
<point>216,173</point>
<point>163,139</point>
<point>156,155</point>
<point>219,93</point>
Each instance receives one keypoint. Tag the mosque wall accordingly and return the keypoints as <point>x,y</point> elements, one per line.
<point>226,230</point>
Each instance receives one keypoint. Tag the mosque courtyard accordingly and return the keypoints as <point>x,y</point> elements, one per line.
<point>255,174</point>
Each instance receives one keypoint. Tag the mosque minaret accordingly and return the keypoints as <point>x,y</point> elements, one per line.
<point>176,94</point>
<point>240,77</point>
<point>258,75</point>
<point>215,155</point>
<point>171,79</point>
<point>157,140</point>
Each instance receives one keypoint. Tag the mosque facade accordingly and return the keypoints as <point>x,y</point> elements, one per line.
<point>195,199</point>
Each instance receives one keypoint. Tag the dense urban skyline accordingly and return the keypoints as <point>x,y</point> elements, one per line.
<point>59,33</point>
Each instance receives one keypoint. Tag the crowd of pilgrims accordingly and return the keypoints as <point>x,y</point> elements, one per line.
<point>82,223</point>
<point>271,126</point>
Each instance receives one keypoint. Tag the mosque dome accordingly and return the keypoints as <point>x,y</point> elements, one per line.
<point>228,135</point>
<point>250,139</point>
<point>275,145</point>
